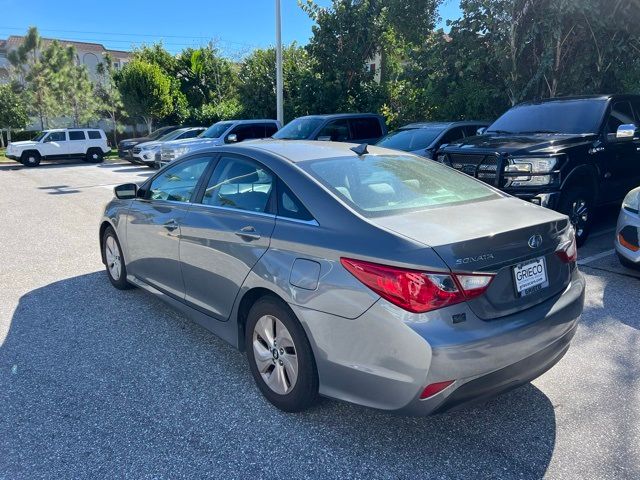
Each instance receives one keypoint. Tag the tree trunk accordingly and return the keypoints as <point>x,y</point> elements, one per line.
<point>115,131</point>
<point>1,138</point>
<point>149,122</point>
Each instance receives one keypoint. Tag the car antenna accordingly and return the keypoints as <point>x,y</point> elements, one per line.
<point>360,149</point>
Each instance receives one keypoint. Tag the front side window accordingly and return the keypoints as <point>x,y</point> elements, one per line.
<point>452,135</point>
<point>336,131</point>
<point>621,114</point>
<point>239,183</point>
<point>178,182</point>
<point>270,129</point>
<point>56,137</point>
<point>379,185</point>
<point>243,132</point>
<point>365,128</point>
<point>76,135</point>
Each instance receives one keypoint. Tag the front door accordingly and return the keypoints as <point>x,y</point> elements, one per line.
<point>225,233</point>
<point>55,145</point>
<point>153,230</point>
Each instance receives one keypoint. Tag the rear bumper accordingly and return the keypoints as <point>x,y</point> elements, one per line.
<point>386,357</point>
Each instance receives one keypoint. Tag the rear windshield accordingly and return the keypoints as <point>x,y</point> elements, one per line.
<point>568,116</point>
<point>379,185</point>
<point>299,129</point>
<point>410,139</point>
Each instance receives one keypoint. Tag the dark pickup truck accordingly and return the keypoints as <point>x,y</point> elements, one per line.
<point>569,154</point>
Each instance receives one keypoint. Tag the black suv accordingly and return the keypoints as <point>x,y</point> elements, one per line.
<point>336,127</point>
<point>569,154</point>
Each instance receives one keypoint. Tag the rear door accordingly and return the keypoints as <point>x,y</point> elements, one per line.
<point>225,233</point>
<point>154,228</point>
<point>77,142</point>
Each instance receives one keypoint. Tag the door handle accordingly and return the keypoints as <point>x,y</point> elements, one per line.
<point>248,232</point>
<point>171,225</point>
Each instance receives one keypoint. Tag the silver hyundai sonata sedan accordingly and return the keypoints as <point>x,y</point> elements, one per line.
<point>365,275</point>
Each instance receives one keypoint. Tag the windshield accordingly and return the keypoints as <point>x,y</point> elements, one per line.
<point>216,130</point>
<point>568,116</point>
<point>377,185</point>
<point>410,139</point>
<point>39,137</point>
<point>298,129</point>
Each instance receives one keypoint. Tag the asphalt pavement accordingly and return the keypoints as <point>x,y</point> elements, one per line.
<point>101,383</point>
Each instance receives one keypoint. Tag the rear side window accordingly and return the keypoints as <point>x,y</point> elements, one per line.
<point>94,135</point>
<point>76,135</point>
<point>270,129</point>
<point>365,128</point>
<point>379,185</point>
<point>241,184</point>
<point>289,206</point>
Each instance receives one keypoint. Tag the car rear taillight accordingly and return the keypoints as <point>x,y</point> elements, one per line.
<point>414,290</point>
<point>431,390</point>
<point>568,251</point>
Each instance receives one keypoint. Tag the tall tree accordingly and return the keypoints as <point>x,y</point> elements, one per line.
<point>13,111</point>
<point>145,90</point>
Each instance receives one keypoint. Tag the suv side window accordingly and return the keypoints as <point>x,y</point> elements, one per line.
<point>452,135</point>
<point>336,131</point>
<point>270,129</point>
<point>365,128</point>
<point>239,183</point>
<point>56,137</point>
<point>178,182</point>
<point>76,135</point>
<point>94,135</point>
<point>289,206</point>
<point>621,114</point>
<point>471,130</point>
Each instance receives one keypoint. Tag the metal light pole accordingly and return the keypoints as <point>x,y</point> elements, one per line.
<point>279,97</point>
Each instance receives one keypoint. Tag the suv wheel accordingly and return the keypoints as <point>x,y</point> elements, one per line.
<point>94,155</point>
<point>30,159</point>
<point>280,357</point>
<point>577,204</point>
<point>114,261</point>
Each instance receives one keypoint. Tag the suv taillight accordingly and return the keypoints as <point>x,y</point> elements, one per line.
<point>417,291</point>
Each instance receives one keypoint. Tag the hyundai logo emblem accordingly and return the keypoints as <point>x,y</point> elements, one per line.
<point>535,241</point>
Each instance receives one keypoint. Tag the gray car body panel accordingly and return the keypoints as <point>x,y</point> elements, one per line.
<point>367,350</point>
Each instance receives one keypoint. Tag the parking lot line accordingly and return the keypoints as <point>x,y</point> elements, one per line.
<point>597,256</point>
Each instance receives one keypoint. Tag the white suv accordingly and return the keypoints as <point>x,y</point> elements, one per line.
<point>90,144</point>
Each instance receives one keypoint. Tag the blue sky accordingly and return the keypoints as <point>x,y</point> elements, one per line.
<point>237,26</point>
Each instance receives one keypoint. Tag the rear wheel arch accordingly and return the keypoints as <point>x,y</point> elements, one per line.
<point>249,298</point>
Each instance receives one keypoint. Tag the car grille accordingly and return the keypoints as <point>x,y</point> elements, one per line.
<point>483,167</point>
<point>137,149</point>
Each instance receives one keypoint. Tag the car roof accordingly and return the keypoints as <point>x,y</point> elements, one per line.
<point>460,123</point>
<point>244,120</point>
<point>302,150</point>
<point>331,116</point>
<point>580,97</point>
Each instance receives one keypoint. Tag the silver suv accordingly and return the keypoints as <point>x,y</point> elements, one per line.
<point>228,131</point>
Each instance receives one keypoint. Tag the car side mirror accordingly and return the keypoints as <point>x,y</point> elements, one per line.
<point>626,132</point>
<point>126,191</point>
<point>232,138</point>
<point>481,130</point>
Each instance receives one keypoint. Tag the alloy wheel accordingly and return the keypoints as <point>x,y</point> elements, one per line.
<point>114,259</point>
<point>579,215</point>
<point>275,354</point>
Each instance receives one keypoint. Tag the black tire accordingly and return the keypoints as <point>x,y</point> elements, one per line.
<point>120,282</point>
<point>627,263</point>
<point>94,155</point>
<point>304,392</point>
<point>30,158</point>
<point>577,203</point>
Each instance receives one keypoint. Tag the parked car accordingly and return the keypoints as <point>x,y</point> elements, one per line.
<point>342,127</point>
<point>569,154</point>
<point>627,240</point>
<point>220,133</point>
<point>425,138</point>
<point>458,293</point>
<point>125,146</point>
<point>145,153</point>
<point>89,144</point>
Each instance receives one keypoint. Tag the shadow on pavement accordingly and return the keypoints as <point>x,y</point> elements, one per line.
<point>95,381</point>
